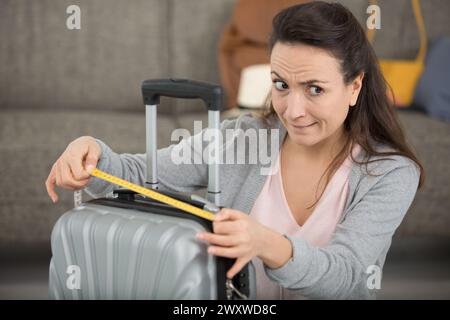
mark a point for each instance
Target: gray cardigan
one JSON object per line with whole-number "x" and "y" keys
{"x": 374, "y": 209}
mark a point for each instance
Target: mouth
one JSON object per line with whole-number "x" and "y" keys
{"x": 303, "y": 127}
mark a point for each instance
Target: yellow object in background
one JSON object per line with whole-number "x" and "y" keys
{"x": 403, "y": 75}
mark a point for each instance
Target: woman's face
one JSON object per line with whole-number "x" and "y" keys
{"x": 309, "y": 94}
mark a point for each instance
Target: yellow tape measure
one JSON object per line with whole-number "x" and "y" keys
{"x": 153, "y": 194}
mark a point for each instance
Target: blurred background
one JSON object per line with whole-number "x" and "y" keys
{"x": 57, "y": 84}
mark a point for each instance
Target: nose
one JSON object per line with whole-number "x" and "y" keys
{"x": 296, "y": 106}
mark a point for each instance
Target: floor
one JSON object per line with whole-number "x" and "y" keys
{"x": 416, "y": 268}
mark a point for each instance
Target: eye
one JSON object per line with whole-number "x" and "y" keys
{"x": 314, "y": 90}
{"x": 280, "y": 85}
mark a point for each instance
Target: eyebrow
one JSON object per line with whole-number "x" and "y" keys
{"x": 303, "y": 82}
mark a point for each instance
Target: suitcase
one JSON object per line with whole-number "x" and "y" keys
{"x": 127, "y": 246}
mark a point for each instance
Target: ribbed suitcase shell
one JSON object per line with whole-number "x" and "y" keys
{"x": 116, "y": 251}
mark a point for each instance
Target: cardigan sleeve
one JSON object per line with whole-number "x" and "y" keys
{"x": 173, "y": 175}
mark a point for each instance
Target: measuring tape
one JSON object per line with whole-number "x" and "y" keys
{"x": 154, "y": 195}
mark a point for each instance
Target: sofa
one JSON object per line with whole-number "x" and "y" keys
{"x": 58, "y": 84}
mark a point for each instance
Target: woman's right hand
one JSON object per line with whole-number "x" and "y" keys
{"x": 72, "y": 169}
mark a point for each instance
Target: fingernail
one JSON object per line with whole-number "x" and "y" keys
{"x": 199, "y": 236}
{"x": 89, "y": 168}
{"x": 210, "y": 250}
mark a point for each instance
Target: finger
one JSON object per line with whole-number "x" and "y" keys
{"x": 237, "y": 266}
{"x": 65, "y": 175}
{"x": 67, "y": 179}
{"x": 228, "y": 214}
{"x": 50, "y": 184}
{"x": 90, "y": 161}
{"x": 226, "y": 227}
{"x": 77, "y": 168}
{"x": 220, "y": 240}
{"x": 232, "y": 252}
{"x": 81, "y": 184}
{"x": 58, "y": 173}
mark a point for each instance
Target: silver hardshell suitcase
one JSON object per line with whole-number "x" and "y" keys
{"x": 132, "y": 247}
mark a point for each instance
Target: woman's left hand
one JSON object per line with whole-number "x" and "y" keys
{"x": 236, "y": 235}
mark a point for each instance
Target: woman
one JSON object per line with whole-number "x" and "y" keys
{"x": 318, "y": 227}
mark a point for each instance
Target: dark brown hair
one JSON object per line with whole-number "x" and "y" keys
{"x": 332, "y": 27}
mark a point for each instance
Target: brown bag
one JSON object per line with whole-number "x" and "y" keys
{"x": 244, "y": 40}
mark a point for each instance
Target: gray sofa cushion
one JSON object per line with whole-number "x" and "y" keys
{"x": 429, "y": 214}
{"x": 101, "y": 66}
{"x": 195, "y": 33}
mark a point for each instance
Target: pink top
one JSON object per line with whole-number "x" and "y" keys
{"x": 272, "y": 210}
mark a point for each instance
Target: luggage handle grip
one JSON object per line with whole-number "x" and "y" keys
{"x": 211, "y": 94}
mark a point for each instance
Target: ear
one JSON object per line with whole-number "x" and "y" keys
{"x": 356, "y": 86}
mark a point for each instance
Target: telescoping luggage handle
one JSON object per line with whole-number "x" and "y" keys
{"x": 212, "y": 96}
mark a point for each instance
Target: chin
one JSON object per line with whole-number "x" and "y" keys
{"x": 304, "y": 140}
